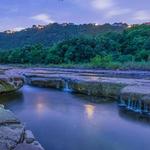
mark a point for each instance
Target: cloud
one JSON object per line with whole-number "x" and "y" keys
{"x": 117, "y": 12}
{"x": 141, "y": 15}
{"x": 43, "y": 17}
{"x": 102, "y": 4}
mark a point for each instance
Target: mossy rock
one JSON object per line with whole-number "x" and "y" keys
{"x": 104, "y": 89}
{"x": 9, "y": 84}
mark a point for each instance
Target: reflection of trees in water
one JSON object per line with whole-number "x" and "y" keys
{"x": 11, "y": 99}
{"x": 134, "y": 117}
{"x": 93, "y": 99}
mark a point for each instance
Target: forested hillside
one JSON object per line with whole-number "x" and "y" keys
{"x": 109, "y": 49}
{"x": 52, "y": 33}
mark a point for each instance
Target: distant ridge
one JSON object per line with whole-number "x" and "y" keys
{"x": 52, "y": 33}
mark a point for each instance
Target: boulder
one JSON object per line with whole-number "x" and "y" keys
{"x": 7, "y": 116}
{"x": 29, "y": 137}
{"x": 10, "y": 136}
{"x": 10, "y": 84}
{"x": 28, "y": 147}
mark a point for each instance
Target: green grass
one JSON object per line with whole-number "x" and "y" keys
{"x": 106, "y": 65}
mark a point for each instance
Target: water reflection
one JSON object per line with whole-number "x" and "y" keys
{"x": 40, "y": 107}
{"x": 16, "y": 97}
{"x": 134, "y": 117}
{"x": 62, "y": 121}
{"x": 89, "y": 109}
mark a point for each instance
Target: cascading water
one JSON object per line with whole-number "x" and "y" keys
{"x": 145, "y": 108}
{"x": 66, "y": 88}
{"x": 122, "y": 102}
{"x": 129, "y": 103}
{"x": 134, "y": 105}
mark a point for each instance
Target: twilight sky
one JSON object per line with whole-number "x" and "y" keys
{"x": 18, "y": 14}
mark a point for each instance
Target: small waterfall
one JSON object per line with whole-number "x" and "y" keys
{"x": 66, "y": 87}
{"x": 145, "y": 108}
{"x": 134, "y": 105}
{"x": 129, "y": 103}
{"x": 122, "y": 102}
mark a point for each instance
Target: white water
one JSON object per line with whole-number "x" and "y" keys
{"x": 66, "y": 88}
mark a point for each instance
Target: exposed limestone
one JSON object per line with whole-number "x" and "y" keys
{"x": 28, "y": 147}
{"x": 136, "y": 98}
{"x": 134, "y": 93}
{"x": 7, "y": 117}
{"x": 129, "y": 85}
{"x": 29, "y": 137}
{"x": 13, "y": 134}
{"x": 47, "y": 82}
{"x": 10, "y": 84}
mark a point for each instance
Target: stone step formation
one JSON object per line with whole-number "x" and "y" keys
{"x": 130, "y": 88}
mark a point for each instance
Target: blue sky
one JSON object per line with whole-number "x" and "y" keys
{"x": 18, "y": 14}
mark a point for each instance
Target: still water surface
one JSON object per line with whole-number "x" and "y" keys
{"x": 63, "y": 121}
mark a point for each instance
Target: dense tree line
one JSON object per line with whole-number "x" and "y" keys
{"x": 52, "y": 33}
{"x": 133, "y": 44}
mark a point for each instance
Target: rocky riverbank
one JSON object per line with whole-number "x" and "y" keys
{"x": 13, "y": 134}
{"x": 130, "y": 88}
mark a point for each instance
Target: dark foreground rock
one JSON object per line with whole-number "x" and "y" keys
{"x": 13, "y": 134}
{"x": 28, "y": 147}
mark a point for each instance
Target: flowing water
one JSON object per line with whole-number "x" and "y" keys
{"x": 64, "y": 121}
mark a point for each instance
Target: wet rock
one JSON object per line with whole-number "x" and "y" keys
{"x": 37, "y": 144}
{"x": 10, "y": 135}
{"x": 105, "y": 89}
{"x": 29, "y": 137}
{"x": 47, "y": 82}
{"x": 3, "y": 146}
{"x": 136, "y": 92}
{"x": 28, "y": 147}
{"x": 7, "y": 116}
{"x": 89, "y": 85}
{"x": 1, "y": 106}
{"x": 9, "y": 84}
{"x": 136, "y": 98}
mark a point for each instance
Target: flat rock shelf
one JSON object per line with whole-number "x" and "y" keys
{"x": 130, "y": 88}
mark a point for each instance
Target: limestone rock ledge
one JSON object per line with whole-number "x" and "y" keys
{"x": 13, "y": 134}
{"x": 136, "y": 98}
{"x": 10, "y": 84}
{"x": 132, "y": 94}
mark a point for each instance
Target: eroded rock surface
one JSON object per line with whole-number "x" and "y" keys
{"x": 132, "y": 86}
{"x": 10, "y": 84}
{"x": 28, "y": 147}
{"x": 13, "y": 134}
{"x": 129, "y": 85}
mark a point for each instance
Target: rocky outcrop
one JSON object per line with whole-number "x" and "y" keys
{"x": 136, "y": 98}
{"x": 10, "y": 84}
{"x": 130, "y": 87}
{"x": 13, "y": 134}
{"x": 133, "y": 94}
